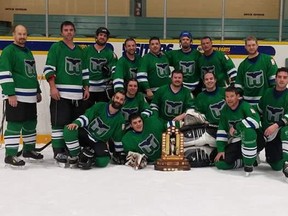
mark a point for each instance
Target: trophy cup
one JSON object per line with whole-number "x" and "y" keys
{"x": 172, "y": 156}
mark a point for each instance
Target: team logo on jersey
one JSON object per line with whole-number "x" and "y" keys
{"x": 162, "y": 70}
{"x": 187, "y": 67}
{"x": 206, "y": 69}
{"x": 128, "y": 111}
{"x": 133, "y": 72}
{"x": 274, "y": 114}
{"x": 255, "y": 79}
{"x": 216, "y": 108}
{"x": 173, "y": 108}
{"x": 73, "y": 66}
{"x": 30, "y": 68}
{"x": 99, "y": 127}
{"x": 233, "y": 123}
{"x": 149, "y": 145}
{"x": 96, "y": 64}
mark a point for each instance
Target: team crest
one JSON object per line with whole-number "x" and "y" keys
{"x": 162, "y": 70}
{"x": 255, "y": 79}
{"x": 187, "y": 67}
{"x": 30, "y": 68}
{"x": 216, "y": 108}
{"x": 128, "y": 111}
{"x": 96, "y": 64}
{"x": 274, "y": 114}
{"x": 73, "y": 66}
{"x": 173, "y": 108}
{"x": 206, "y": 69}
{"x": 149, "y": 145}
{"x": 99, "y": 127}
{"x": 133, "y": 72}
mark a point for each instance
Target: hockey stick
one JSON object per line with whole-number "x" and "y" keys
{"x": 36, "y": 149}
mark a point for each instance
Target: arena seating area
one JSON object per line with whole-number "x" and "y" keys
{"x": 145, "y": 27}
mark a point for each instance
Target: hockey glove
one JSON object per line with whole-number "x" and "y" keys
{"x": 136, "y": 160}
{"x": 86, "y": 158}
{"x": 119, "y": 158}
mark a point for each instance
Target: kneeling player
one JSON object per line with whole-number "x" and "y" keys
{"x": 236, "y": 135}
{"x": 144, "y": 139}
{"x": 274, "y": 108}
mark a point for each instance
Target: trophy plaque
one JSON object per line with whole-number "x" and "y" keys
{"x": 172, "y": 156}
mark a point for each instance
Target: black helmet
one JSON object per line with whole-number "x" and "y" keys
{"x": 102, "y": 30}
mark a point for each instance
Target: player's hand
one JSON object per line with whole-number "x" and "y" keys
{"x": 12, "y": 100}
{"x": 72, "y": 126}
{"x": 86, "y": 94}
{"x": 39, "y": 97}
{"x": 271, "y": 129}
{"x": 219, "y": 156}
{"x": 232, "y": 131}
{"x": 149, "y": 94}
{"x": 54, "y": 93}
{"x": 180, "y": 117}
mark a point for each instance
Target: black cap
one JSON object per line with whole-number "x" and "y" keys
{"x": 103, "y": 30}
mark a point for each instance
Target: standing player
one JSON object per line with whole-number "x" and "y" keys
{"x": 274, "y": 109}
{"x": 135, "y": 102}
{"x": 100, "y": 123}
{"x": 217, "y": 62}
{"x": 171, "y": 101}
{"x": 100, "y": 60}
{"x": 154, "y": 69}
{"x": 185, "y": 59}
{"x": 256, "y": 73}
{"x": 63, "y": 71}
{"x": 18, "y": 79}
{"x": 127, "y": 66}
{"x": 236, "y": 135}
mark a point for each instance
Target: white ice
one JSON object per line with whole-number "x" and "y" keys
{"x": 43, "y": 189}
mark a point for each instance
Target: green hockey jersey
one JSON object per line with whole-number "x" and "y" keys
{"x": 210, "y": 104}
{"x": 153, "y": 72}
{"x": 244, "y": 116}
{"x": 125, "y": 70}
{"x": 186, "y": 62}
{"x": 102, "y": 125}
{"x": 274, "y": 107}
{"x": 66, "y": 65}
{"x": 254, "y": 77}
{"x": 18, "y": 74}
{"x": 221, "y": 65}
{"x": 167, "y": 105}
{"x": 148, "y": 141}
{"x": 94, "y": 61}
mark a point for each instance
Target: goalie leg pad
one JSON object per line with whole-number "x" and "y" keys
{"x": 198, "y": 157}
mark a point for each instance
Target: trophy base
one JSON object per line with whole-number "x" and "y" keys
{"x": 172, "y": 164}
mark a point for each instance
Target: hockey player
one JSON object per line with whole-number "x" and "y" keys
{"x": 63, "y": 71}
{"x": 100, "y": 61}
{"x": 144, "y": 138}
{"x": 99, "y": 123}
{"x": 236, "y": 135}
{"x": 127, "y": 66}
{"x": 135, "y": 102}
{"x": 18, "y": 79}
{"x": 185, "y": 59}
{"x": 256, "y": 73}
{"x": 274, "y": 109}
{"x": 217, "y": 62}
{"x": 154, "y": 69}
{"x": 171, "y": 101}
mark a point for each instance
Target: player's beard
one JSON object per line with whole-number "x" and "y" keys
{"x": 100, "y": 43}
{"x": 116, "y": 105}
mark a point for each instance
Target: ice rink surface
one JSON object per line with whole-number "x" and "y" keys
{"x": 44, "y": 189}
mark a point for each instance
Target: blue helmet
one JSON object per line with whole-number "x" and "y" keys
{"x": 185, "y": 34}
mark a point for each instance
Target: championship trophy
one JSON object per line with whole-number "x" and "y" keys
{"x": 172, "y": 156}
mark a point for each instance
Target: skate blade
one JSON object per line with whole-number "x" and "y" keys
{"x": 33, "y": 160}
{"x": 62, "y": 165}
{"x": 73, "y": 166}
{"x": 10, "y": 166}
{"x": 247, "y": 174}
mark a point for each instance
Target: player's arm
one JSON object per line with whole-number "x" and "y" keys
{"x": 118, "y": 76}
{"x": 252, "y": 119}
{"x": 230, "y": 68}
{"x": 271, "y": 73}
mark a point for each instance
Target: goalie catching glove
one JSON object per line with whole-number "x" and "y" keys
{"x": 136, "y": 160}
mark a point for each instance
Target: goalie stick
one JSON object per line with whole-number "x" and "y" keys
{"x": 36, "y": 149}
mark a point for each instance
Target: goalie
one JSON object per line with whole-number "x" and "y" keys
{"x": 200, "y": 129}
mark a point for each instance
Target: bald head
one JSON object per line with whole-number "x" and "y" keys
{"x": 20, "y": 35}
